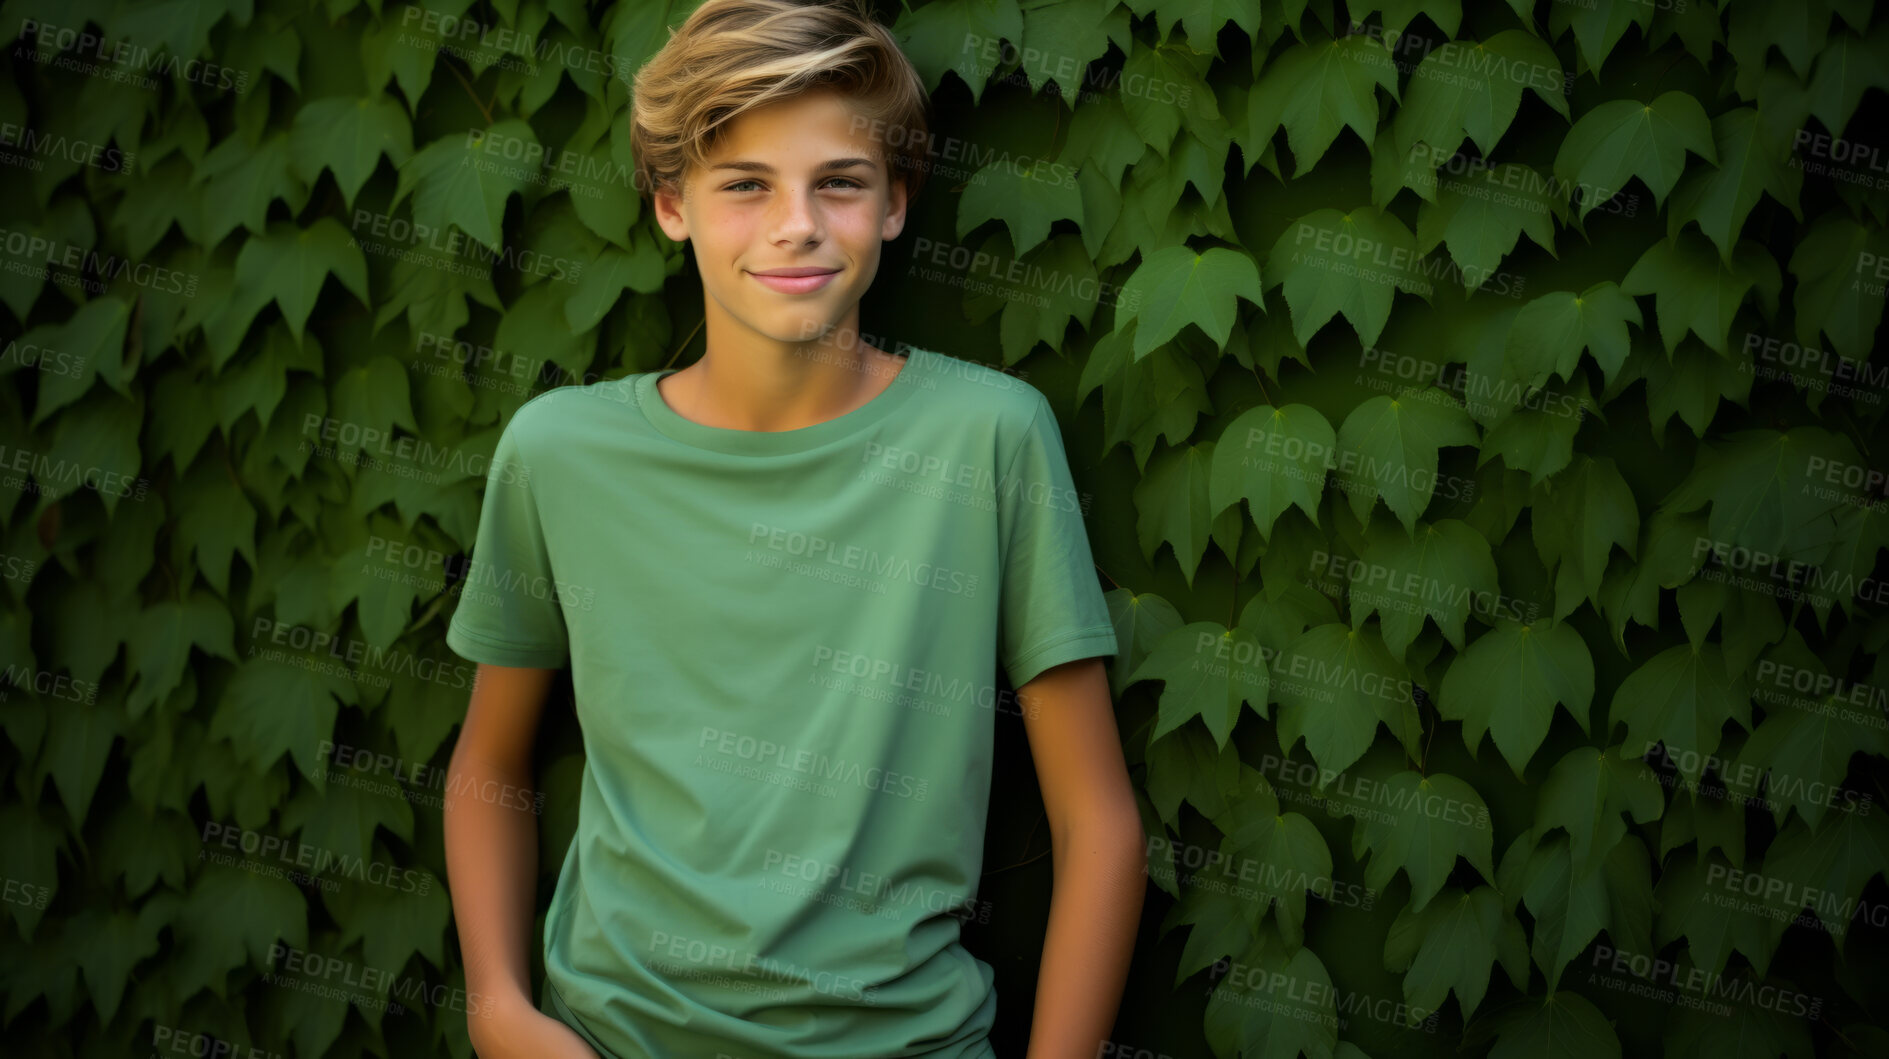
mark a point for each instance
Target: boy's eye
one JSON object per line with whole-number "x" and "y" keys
{"x": 848, "y": 182}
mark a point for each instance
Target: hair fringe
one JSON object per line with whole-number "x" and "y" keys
{"x": 731, "y": 56}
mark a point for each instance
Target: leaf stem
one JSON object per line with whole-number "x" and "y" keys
{"x": 676, "y": 352}
{"x": 483, "y": 109}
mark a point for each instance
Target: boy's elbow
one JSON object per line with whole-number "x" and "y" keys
{"x": 1119, "y": 837}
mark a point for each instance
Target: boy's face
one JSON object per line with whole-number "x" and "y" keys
{"x": 783, "y": 208}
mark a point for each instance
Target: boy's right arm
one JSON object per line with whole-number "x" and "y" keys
{"x": 492, "y": 865}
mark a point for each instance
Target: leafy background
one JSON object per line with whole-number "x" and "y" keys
{"x": 1590, "y": 226}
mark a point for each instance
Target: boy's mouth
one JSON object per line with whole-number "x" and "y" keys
{"x": 795, "y": 280}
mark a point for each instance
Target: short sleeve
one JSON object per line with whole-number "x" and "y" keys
{"x": 1051, "y": 609}
{"x": 508, "y": 613}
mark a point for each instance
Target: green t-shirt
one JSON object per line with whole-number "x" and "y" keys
{"x": 784, "y": 650}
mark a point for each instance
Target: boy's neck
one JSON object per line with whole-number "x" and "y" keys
{"x": 775, "y": 386}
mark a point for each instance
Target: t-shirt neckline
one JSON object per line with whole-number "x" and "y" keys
{"x": 774, "y": 442}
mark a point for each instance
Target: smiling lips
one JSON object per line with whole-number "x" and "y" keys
{"x": 796, "y": 280}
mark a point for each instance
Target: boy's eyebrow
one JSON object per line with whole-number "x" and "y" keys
{"x": 762, "y": 167}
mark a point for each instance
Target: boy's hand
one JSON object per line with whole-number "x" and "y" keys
{"x": 517, "y": 1030}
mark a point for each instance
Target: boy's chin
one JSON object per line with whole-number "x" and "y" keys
{"x": 804, "y": 329}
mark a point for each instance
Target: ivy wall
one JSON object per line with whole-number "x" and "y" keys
{"x": 1474, "y": 407}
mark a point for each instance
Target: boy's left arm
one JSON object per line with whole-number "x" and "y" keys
{"x": 1099, "y": 856}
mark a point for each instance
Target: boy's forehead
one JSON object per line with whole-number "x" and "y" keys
{"x": 817, "y": 111}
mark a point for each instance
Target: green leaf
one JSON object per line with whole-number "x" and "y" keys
{"x": 383, "y": 604}
{"x": 1175, "y": 287}
{"x": 108, "y": 944}
{"x": 348, "y": 138}
{"x": 958, "y": 35}
{"x": 94, "y": 450}
{"x": 1825, "y": 870}
{"x": 1587, "y": 792}
{"x": 79, "y": 738}
{"x": 143, "y": 848}
{"x": 1561, "y": 1025}
{"x": 1681, "y": 697}
{"x": 1064, "y": 36}
{"x": 158, "y": 648}
{"x": 1777, "y": 1025}
{"x": 1807, "y": 748}
{"x": 215, "y": 521}
{"x": 1441, "y": 572}
{"x": 1186, "y": 766}
{"x": 1450, "y": 944}
{"x": 604, "y": 281}
{"x": 1207, "y": 670}
{"x": 1101, "y": 134}
{"x": 1549, "y": 333}
{"x": 1572, "y": 904}
{"x": 1388, "y": 447}
{"x": 1272, "y": 458}
{"x": 1579, "y": 516}
{"x": 540, "y": 322}
{"x": 1318, "y": 88}
{"x": 1423, "y": 825}
{"x": 1769, "y": 493}
{"x": 241, "y": 181}
{"x": 1845, "y": 70}
{"x": 1141, "y": 620}
{"x": 1393, "y": 170}
{"x": 1668, "y": 558}
{"x": 1625, "y": 138}
{"x": 1699, "y": 902}
{"x": 1473, "y": 88}
{"x": 1171, "y": 505}
{"x": 31, "y": 857}
{"x": 1507, "y": 684}
{"x": 463, "y": 180}
{"x": 1697, "y": 290}
{"x": 1398, "y": 14}
{"x": 1861, "y": 533}
{"x": 1540, "y": 440}
{"x": 1276, "y": 1004}
{"x": 1283, "y": 853}
{"x": 1840, "y": 269}
{"x": 602, "y": 191}
{"x": 1201, "y": 20}
{"x": 271, "y": 708}
{"x": 1333, "y": 685}
{"x": 393, "y": 922}
{"x": 1163, "y": 91}
{"x": 260, "y": 381}
{"x": 1708, "y": 819}
{"x": 339, "y": 819}
{"x": 288, "y": 266}
{"x": 1026, "y": 194}
{"x": 1719, "y": 199}
{"x": 1334, "y": 262}
{"x": 1483, "y": 217}
{"x": 91, "y": 340}
{"x": 1691, "y": 383}
{"x": 374, "y": 399}
{"x": 232, "y": 918}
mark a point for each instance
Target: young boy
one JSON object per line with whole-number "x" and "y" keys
{"x": 783, "y": 578}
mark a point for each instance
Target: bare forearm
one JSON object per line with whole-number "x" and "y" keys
{"x": 492, "y": 864}
{"x": 1095, "y": 907}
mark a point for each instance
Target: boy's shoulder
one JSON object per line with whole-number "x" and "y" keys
{"x": 980, "y": 388}
{"x": 563, "y": 405}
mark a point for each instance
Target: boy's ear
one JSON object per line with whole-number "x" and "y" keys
{"x": 667, "y": 201}
{"x": 895, "y": 212}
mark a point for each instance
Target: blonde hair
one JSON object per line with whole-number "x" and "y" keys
{"x": 731, "y": 56}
